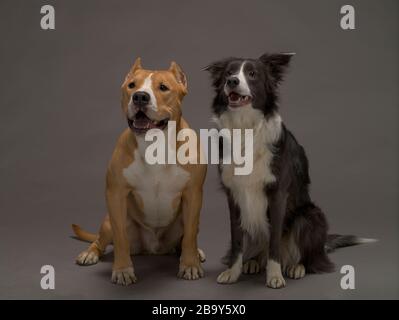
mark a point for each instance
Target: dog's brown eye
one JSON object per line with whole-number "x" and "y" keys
{"x": 131, "y": 85}
{"x": 252, "y": 74}
{"x": 162, "y": 87}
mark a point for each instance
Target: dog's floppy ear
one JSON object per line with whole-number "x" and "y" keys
{"x": 136, "y": 66}
{"x": 179, "y": 75}
{"x": 277, "y": 63}
{"x": 216, "y": 70}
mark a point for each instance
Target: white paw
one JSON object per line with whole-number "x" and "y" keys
{"x": 201, "y": 255}
{"x": 275, "y": 282}
{"x": 274, "y": 278}
{"x": 87, "y": 258}
{"x": 296, "y": 272}
{"x": 124, "y": 277}
{"x": 228, "y": 276}
{"x": 251, "y": 267}
{"x": 191, "y": 272}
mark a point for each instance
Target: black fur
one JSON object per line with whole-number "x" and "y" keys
{"x": 290, "y": 208}
{"x": 335, "y": 241}
{"x": 270, "y": 70}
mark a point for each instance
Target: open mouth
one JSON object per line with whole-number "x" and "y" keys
{"x": 141, "y": 123}
{"x": 237, "y": 100}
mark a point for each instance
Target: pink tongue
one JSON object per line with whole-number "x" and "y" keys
{"x": 141, "y": 123}
{"x": 234, "y": 96}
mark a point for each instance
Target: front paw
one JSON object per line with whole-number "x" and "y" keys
{"x": 275, "y": 282}
{"x": 190, "y": 271}
{"x": 228, "y": 276}
{"x": 124, "y": 277}
{"x": 274, "y": 277}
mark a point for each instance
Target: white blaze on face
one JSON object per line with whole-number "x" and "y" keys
{"x": 130, "y": 109}
{"x": 243, "y": 86}
{"x": 147, "y": 87}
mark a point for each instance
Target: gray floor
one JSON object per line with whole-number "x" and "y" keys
{"x": 60, "y": 117}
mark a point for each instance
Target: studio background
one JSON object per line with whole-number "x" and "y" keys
{"x": 60, "y": 116}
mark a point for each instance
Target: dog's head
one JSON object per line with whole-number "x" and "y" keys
{"x": 151, "y": 98}
{"x": 248, "y": 83}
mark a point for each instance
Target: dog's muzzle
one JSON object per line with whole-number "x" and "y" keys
{"x": 237, "y": 100}
{"x": 141, "y": 123}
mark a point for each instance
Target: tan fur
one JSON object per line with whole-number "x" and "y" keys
{"x": 126, "y": 225}
{"x": 82, "y": 234}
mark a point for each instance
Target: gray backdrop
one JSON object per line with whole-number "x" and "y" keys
{"x": 60, "y": 117}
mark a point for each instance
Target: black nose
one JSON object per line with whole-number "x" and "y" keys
{"x": 141, "y": 98}
{"x": 233, "y": 82}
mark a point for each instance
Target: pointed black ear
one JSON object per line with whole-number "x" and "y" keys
{"x": 216, "y": 66}
{"x": 216, "y": 70}
{"x": 277, "y": 63}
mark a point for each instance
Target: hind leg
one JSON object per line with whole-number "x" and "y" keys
{"x": 295, "y": 271}
{"x": 291, "y": 257}
{"x": 309, "y": 232}
{"x": 251, "y": 266}
{"x": 92, "y": 254}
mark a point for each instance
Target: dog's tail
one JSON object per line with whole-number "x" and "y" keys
{"x": 335, "y": 241}
{"x": 82, "y": 234}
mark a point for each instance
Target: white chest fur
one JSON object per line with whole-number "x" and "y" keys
{"x": 249, "y": 190}
{"x": 159, "y": 188}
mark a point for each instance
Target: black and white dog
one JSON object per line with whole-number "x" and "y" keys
{"x": 274, "y": 223}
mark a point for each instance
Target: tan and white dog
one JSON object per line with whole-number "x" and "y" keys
{"x": 152, "y": 208}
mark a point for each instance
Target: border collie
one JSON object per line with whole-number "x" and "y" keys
{"x": 274, "y": 223}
